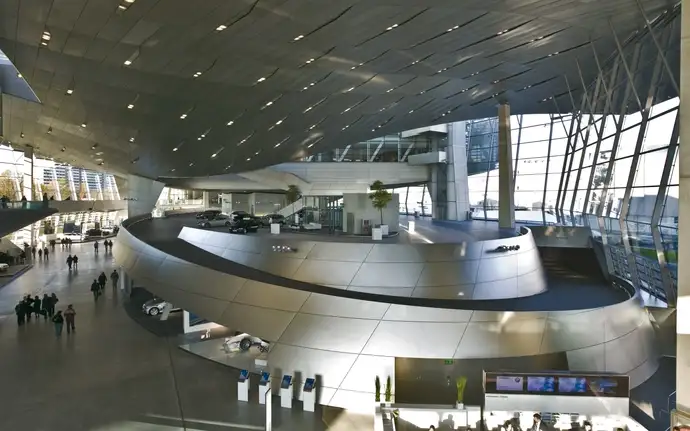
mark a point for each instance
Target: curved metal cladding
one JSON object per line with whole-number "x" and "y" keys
{"x": 471, "y": 270}
{"x": 347, "y": 342}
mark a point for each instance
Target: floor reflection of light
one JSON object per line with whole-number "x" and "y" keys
{"x": 419, "y": 418}
{"x": 416, "y": 234}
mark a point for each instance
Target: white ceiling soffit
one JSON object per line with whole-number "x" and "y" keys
{"x": 197, "y": 88}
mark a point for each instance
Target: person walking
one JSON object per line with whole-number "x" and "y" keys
{"x": 114, "y": 277}
{"x": 45, "y": 252}
{"x": 75, "y": 260}
{"x": 40, "y": 253}
{"x": 101, "y": 280}
{"x": 24, "y": 201}
{"x": 70, "y": 259}
{"x": 69, "y": 317}
{"x": 33, "y": 252}
{"x": 46, "y": 303}
{"x": 53, "y": 302}
{"x": 95, "y": 246}
{"x": 27, "y": 305}
{"x": 95, "y": 289}
{"x": 58, "y": 321}
{"x": 37, "y": 306}
{"x": 19, "y": 310}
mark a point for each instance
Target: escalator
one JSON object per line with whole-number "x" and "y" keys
{"x": 576, "y": 264}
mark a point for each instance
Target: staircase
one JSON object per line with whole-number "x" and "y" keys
{"x": 292, "y": 208}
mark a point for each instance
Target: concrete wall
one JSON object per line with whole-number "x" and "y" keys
{"x": 360, "y": 205}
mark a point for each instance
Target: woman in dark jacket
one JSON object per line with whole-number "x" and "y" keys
{"x": 37, "y": 306}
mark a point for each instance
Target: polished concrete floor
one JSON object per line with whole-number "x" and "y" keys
{"x": 113, "y": 374}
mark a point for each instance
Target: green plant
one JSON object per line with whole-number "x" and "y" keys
{"x": 293, "y": 193}
{"x": 380, "y": 197}
{"x": 460, "y": 384}
{"x": 377, "y": 382}
{"x": 388, "y": 389}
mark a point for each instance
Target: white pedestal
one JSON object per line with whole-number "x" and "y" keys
{"x": 286, "y": 397}
{"x": 411, "y": 226}
{"x": 376, "y": 234}
{"x": 384, "y": 229}
{"x": 275, "y": 228}
{"x": 243, "y": 390}
{"x": 309, "y": 400}
{"x": 264, "y": 391}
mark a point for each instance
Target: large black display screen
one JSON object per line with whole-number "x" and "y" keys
{"x": 587, "y": 385}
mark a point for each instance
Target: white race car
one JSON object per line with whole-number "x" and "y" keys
{"x": 244, "y": 342}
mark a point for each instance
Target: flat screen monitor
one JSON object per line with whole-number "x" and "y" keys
{"x": 285, "y": 384}
{"x": 264, "y": 378}
{"x": 309, "y": 385}
{"x": 602, "y": 385}
{"x": 510, "y": 383}
{"x": 572, "y": 385}
{"x": 541, "y": 384}
{"x": 244, "y": 375}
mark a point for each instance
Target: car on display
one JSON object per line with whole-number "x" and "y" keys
{"x": 242, "y": 226}
{"x": 239, "y": 214}
{"x": 243, "y": 342}
{"x": 155, "y": 306}
{"x": 4, "y": 267}
{"x": 208, "y": 214}
{"x": 273, "y": 218}
{"x": 215, "y": 221}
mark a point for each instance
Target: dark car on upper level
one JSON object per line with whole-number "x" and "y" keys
{"x": 273, "y": 218}
{"x": 244, "y": 225}
{"x": 208, "y": 214}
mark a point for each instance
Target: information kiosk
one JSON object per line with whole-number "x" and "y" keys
{"x": 243, "y": 386}
{"x": 264, "y": 387}
{"x": 309, "y": 395}
{"x": 286, "y": 392}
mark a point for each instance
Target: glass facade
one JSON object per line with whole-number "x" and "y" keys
{"x": 389, "y": 148}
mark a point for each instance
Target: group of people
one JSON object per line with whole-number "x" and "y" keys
{"x": 107, "y": 244}
{"x": 42, "y": 253}
{"x": 66, "y": 242}
{"x": 98, "y": 285}
{"x": 72, "y": 260}
{"x": 29, "y": 306}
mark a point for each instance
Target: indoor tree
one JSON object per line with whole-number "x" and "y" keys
{"x": 380, "y": 197}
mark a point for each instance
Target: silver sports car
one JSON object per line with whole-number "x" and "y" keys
{"x": 244, "y": 342}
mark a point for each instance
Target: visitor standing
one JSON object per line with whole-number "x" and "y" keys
{"x": 58, "y": 321}
{"x": 75, "y": 260}
{"x": 101, "y": 280}
{"x": 46, "y": 304}
{"x": 37, "y": 306}
{"x": 69, "y": 317}
{"x": 33, "y": 252}
{"x": 21, "y": 313}
{"x": 114, "y": 277}
{"x": 53, "y": 302}
{"x": 70, "y": 259}
{"x": 95, "y": 289}
{"x": 45, "y": 252}
{"x": 95, "y": 246}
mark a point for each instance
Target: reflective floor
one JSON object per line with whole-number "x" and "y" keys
{"x": 113, "y": 374}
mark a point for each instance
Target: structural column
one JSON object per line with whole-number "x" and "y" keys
{"x": 206, "y": 197}
{"x": 458, "y": 194}
{"x": 683, "y": 302}
{"x": 506, "y": 194}
{"x": 143, "y": 195}
{"x": 226, "y": 203}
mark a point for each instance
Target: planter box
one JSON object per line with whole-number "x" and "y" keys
{"x": 384, "y": 229}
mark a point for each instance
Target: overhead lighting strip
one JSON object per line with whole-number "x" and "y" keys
{"x": 392, "y": 27}
{"x": 351, "y": 107}
{"x": 371, "y": 60}
{"x": 450, "y": 30}
{"x": 313, "y": 60}
{"x": 416, "y": 62}
{"x": 493, "y": 36}
{"x": 330, "y": 21}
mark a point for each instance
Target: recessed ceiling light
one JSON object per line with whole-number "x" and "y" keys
{"x": 83, "y": 125}
{"x": 50, "y": 129}
{"x": 268, "y": 104}
{"x": 230, "y": 123}
{"x": 197, "y": 74}
{"x": 172, "y": 170}
{"x": 19, "y": 75}
{"x": 130, "y": 106}
{"x": 63, "y": 149}
{"x": 389, "y": 90}
{"x": 70, "y": 91}
{"x": 122, "y": 7}
{"x": 131, "y": 139}
{"x": 279, "y": 122}
{"x": 191, "y": 164}
{"x": 301, "y": 36}
{"x": 45, "y": 35}
{"x": 349, "y": 89}
{"x": 128, "y": 62}
{"x": 183, "y": 116}
{"x": 21, "y": 134}
{"x": 221, "y": 27}
{"x": 174, "y": 149}
{"x": 44, "y": 43}
{"x": 249, "y": 158}
{"x": 311, "y": 60}
{"x": 262, "y": 79}
{"x": 391, "y": 27}
{"x": 213, "y": 156}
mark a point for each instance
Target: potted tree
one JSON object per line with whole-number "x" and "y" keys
{"x": 380, "y": 198}
{"x": 388, "y": 389}
{"x": 293, "y": 194}
{"x": 377, "y": 395}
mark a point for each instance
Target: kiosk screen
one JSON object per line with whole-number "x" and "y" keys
{"x": 570, "y": 385}
{"x": 244, "y": 375}
{"x": 541, "y": 384}
{"x": 309, "y": 385}
{"x": 285, "y": 384}
{"x": 264, "y": 378}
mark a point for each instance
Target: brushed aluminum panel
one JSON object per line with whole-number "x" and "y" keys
{"x": 449, "y": 273}
{"x": 364, "y": 371}
{"x": 528, "y": 262}
{"x": 385, "y": 253}
{"x": 415, "y": 339}
{"x": 327, "y": 305}
{"x": 499, "y": 289}
{"x": 626, "y": 353}
{"x": 532, "y": 283}
{"x": 329, "y": 368}
{"x": 341, "y": 252}
{"x": 268, "y": 295}
{"x": 643, "y": 372}
{"x": 200, "y": 280}
{"x": 388, "y": 274}
{"x": 465, "y": 291}
{"x": 502, "y": 316}
{"x": 240, "y": 257}
{"x": 622, "y": 319}
{"x": 261, "y": 322}
{"x": 451, "y": 252}
{"x": 498, "y": 268}
{"x": 277, "y": 264}
{"x": 328, "y": 333}
{"x": 327, "y": 272}
{"x": 573, "y": 331}
{"x": 211, "y": 248}
{"x": 587, "y": 359}
{"x": 501, "y": 339}
{"x": 210, "y": 308}
{"x": 408, "y": 313}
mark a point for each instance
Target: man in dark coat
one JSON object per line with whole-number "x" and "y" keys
{"x": 95, "y": 289}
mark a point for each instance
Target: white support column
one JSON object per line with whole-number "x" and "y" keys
{"x": 56, "y": 186}
{"x": 143, "y": 195}
{"x": 251, "y": 203}
{"x": 683, "y": 305}
{"x": 70, "y": 183}
{"x": 116, "y": 191}
{"x": 226, "y": 203}
{"x": 506, "y": 196}
{"x": 456, "y": 173}
{"x": 99, "y": 188}
{"x": 86, "y": 184}
{"x": 206, "y": 199}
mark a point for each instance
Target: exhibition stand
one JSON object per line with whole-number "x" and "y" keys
{"x": 309, "y": 395}
{"x": 264, "y": 387}
{"x": 275, "y": 228}
{"x": 286, "y": 392}
{"x": 376, "y": 234}
{"x": 243, "y": 386}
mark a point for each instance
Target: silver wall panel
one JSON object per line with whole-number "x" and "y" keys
{"x": 339, "y": 251}
{"x": 328, "y": 333}
{"x": 499, "y": 268}
{"x": 617, "y": 338}
{"x": 643, "y": 372}
{"x": 449, "y": 273}
{"x": 415, "y": 339}
{"x": 328, "y": 305}
{"x": 391, "y": 291}
{"x": 528, "y": 263}
{"x": 465, "y": 291}
{"x": 261, "y": 322}
{"x": 407, "y": 313}
{"x": 400, "y": 253}
{"x": 388, "y": 274}
{"x": 268, "y": 295}
{"x": 532, "y": 283}
{"x": 327, "y": 272}
{"x": 499, "y": 289}
{"x": 452, "y": 252}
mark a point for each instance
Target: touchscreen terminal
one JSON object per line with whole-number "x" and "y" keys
{"x": 264, "y": 378}
{"x": 285, "y": 384}
{"x": 244, "y": 375}
{"x": 309, "y": 385}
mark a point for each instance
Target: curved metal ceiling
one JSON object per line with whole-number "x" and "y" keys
{"x": 188, "y": 88}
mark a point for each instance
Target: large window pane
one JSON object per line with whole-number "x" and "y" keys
{"x": 628, "y": 140}
{"x": 659, "y": 131}
{"x": 650, "y": 168}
